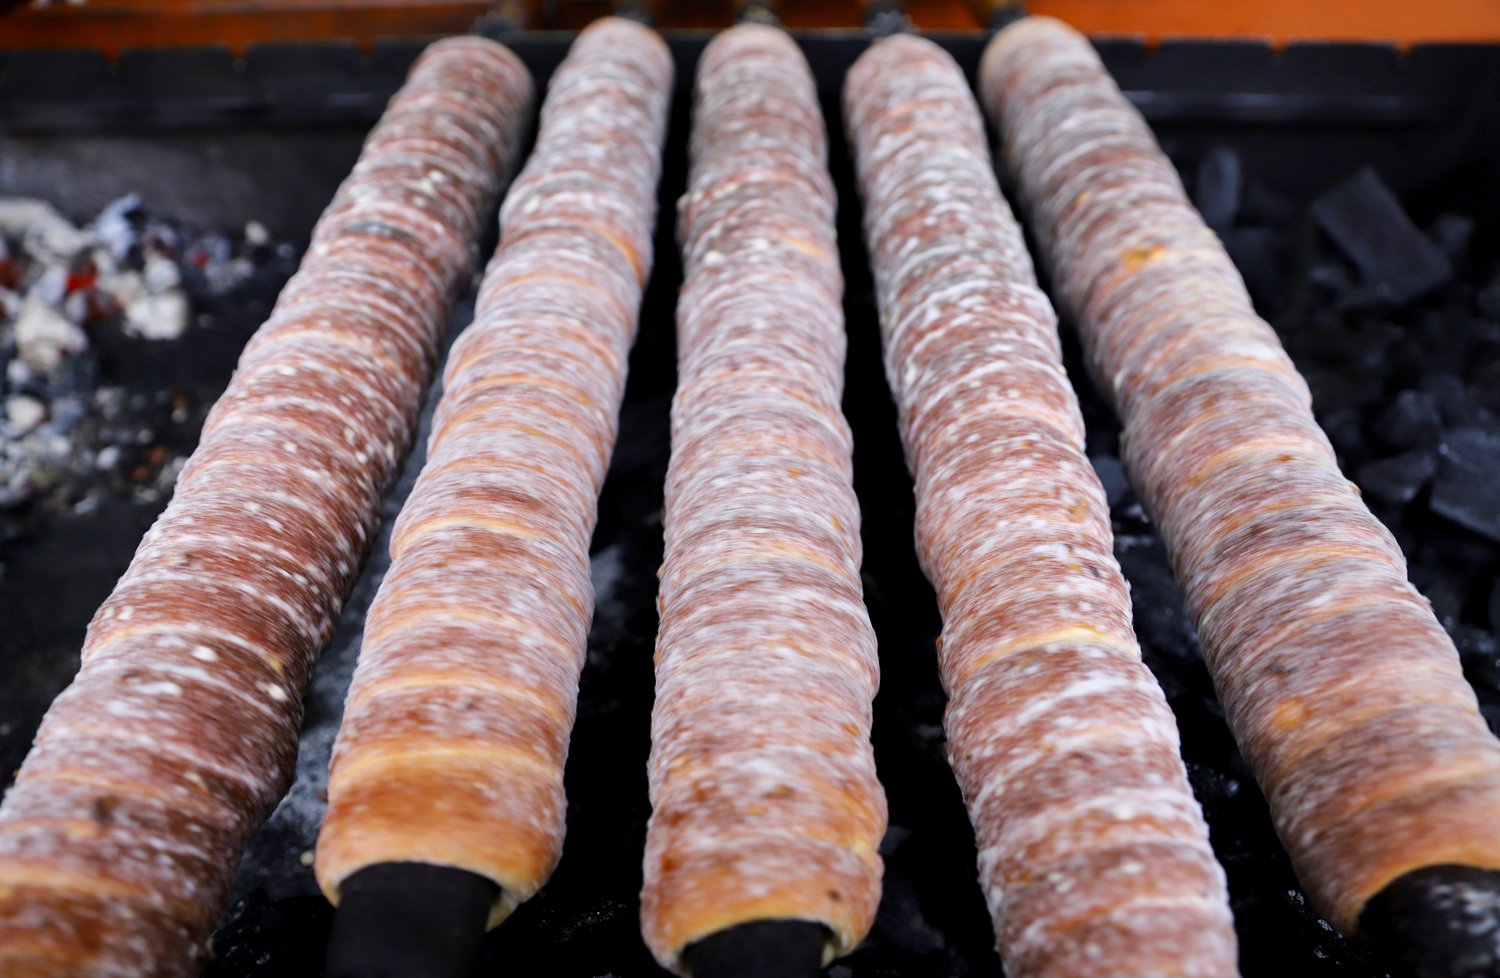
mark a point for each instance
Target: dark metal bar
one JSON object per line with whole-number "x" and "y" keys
{"x": 756, "y": 12}
{"x": 884, "y": 17}
{"x": 998, "y": 14}
{"x": 409, "y": 920}
{"x": 640, "y": 11}
{"x": 1438, "y": 922}
{"x": 759, "y": 949}
{"x": 504, "y": 18}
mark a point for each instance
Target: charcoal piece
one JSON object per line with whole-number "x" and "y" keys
{"x": 1259, "y": 204}
{"x": 1463, "y": 405}
{"x": 1467, "y": 488}
{"x": 1112, "y": 476}
{"x": 1216, "y": 192}
{"x": 1479, "y": 651}
{"x": 262, "y": 938}
{"x": 1487, "y": 301}
{"x": 1485, "y": 382}
{"x": 1366, "y": 221}
{"x": 900, "y": 920}
{"x": 1398, "y": 479}
{"x": 1343, "y": 429}
{"x": 1413, "y": 420}
{"x": 1450, "y": 338}
{"x": 1355, "y": 384}
{"x": 1257, "y": 252}
{"x": 1443, "y": 589}
{"x": 1452, "y": 233}
{"x": 1341, "y": 342}
{"x": 1438, "y": 921}
{"x": 1449, "y": 392}
{"x": 1331, "y": 276}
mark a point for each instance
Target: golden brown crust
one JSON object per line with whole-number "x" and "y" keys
{"x": 1343, "y": 691}
{"x": 120, "y": 836}
{"x": 456, "y": 727}
{"x": 763, "y": 792}
{"x": 1094, "y": 857}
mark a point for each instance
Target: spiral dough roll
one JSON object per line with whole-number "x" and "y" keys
{"x": 457, "y": 722}
{"x": 1093, "y": 853}
{"x": 764, "y": 799}
{"x": 178, "y": 736}
{"x": 1342, "y": 689}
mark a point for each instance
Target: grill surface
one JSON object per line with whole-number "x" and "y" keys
{"x": 1300, "y": 121}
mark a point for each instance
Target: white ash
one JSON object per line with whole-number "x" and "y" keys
{"x": 158, "y": 316}
{"x": 44, "y": 337}
{"x": 69, "y": 296}
{"x": 22, "y": 414}
{"x": 113, "y": 229}
{"x": 43, "y": 232}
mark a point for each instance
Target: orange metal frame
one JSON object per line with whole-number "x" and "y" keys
{"x": 113, "y": 25}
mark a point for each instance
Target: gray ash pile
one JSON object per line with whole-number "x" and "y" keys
{"x": 115, "y": 336}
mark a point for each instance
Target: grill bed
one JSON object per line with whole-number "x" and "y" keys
{"x": 215, "y": 142}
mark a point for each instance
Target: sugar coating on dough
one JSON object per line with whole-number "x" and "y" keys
{"x": 1342, "y": 689}
{"x": 456, "y": 727}
{"x": 179, "y": 733}
{"x": 765, "y": 803}
{"x": 1093, "y": 854}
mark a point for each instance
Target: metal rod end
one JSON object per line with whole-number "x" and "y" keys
{"x": 413, "y": 920}
{"x": 759, "y": 949}
{"x": 1438, "y": 922}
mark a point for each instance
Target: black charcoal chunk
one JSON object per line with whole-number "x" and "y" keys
{"x": 1262, "y": 205}
{"x": 1413, "y": 420}
{"x": 1450, "y": 394}
{"x": 1216, "y": 192}
{"x": 1256, "y": 252}
{"x": 1485, "y": 381}
{"x": 1479, "y": 651}
{"x": 1343, "y": 429}
{"x": 1443, "y": 589}
{"x": 1467, "y": 489}
{"x": 1398, "y": 479}
{"x": 1450, "y": 338}
{"x": 1488, "y": 298}
{"x": 1452, "y": 233}
{"x": 1331, "y": 276}
{"x": 1112, "y": 476}
{"x": 1366, "y": 221}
